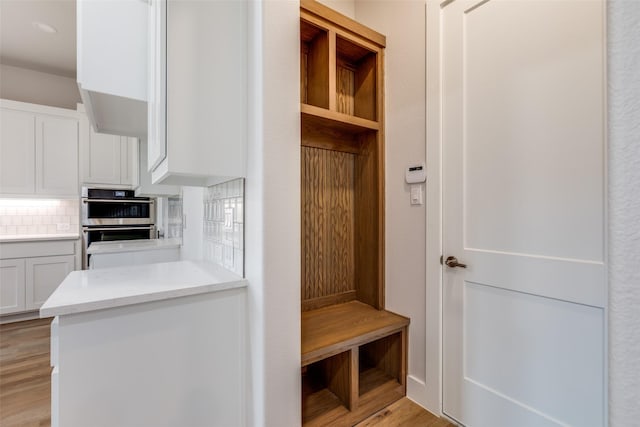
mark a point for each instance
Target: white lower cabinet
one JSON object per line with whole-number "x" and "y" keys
{"x": 31, "y": 271}
{"x": 12, "y": 286}
{"x": 44, "y": 274}
{"x": 174, "y": 362}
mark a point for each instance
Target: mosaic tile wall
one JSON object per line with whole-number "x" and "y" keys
{"x": 224, "y": 225}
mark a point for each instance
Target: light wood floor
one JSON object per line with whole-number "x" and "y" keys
{"x": 25, "y": 374}
{"x": 25, "y": 383}
{"x": 404, "y": 413}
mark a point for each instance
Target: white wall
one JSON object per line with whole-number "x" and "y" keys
{"x": 272, "y": 209}
{"x": 21, "y": 84}
{"x": 346, "y": 7}
{"x": 403, "y": 23}
{"x": 624, "y": 212}
{"x": 193, "y": 216}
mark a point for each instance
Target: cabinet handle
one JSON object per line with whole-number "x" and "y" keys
{"x": 116, "y": 201}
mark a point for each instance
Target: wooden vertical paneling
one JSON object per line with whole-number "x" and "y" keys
{"x": 327, "y": 223}
{"x": 345, "y": 89}
{"x": 368, "y": 263}
{"x": 318, "y": 72}
{"x": 304, "y": 59}
{"x": 365, "y": 88}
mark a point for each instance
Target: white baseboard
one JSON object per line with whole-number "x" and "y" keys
{"x": 417, "y": 392}
{"x": 10, "y": 318}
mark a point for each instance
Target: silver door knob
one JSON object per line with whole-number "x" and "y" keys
{"x": 452, "y": 262}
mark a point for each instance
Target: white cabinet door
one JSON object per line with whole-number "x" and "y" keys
{"x": 128, "y": 161}
{"x": 43, "y": 275}
{"x": 112, "y": 64}
{"x": 156, "y": 94}
{"x": 145, "y": 187}
{"x": 101, "y": 155}
{"x": 57, "y": 155}
{"x": 197, "y": 116}
{"x": 12, "y": 281}
{"x": 17, "y": 145}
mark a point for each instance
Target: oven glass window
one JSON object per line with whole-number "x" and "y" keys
{"x": 116, "y": 234}
{"x": 118, "y": 210}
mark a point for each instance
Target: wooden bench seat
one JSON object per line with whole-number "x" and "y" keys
{"x": 331, "y": 330}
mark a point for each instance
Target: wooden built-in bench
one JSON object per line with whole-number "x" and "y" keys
{"x": 354, "y": 353}
{"x": 354, "y": 362}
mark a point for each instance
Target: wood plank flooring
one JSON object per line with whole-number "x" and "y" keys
{"x": 404, "y": 413}
{"x": 25, "y": 374}
{"x": 25, "y": 383}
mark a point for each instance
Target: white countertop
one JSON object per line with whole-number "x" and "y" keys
{"x": 120, "y": 246}
{"x": 90, "y": 290}
{"x": 37, "y": 237}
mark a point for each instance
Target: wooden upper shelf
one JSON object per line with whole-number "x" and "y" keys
{"x": 323, "y": 117}
{"x": 337, "y": 328}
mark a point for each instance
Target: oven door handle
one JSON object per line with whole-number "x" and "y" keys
{"x": 117, "y": 201}
{"x": 85, "y": 229}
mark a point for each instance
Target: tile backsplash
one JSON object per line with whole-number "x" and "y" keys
{"x": 174, "y": 218}
{"x": 224, "y": 225}
{"x": 33, "y": 216}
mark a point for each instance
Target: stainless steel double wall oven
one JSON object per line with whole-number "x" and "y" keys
{"x": 109, "y": 215}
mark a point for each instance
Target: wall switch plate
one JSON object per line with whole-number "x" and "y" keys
{"x": 416, "y": 194}
{"x": 65, "y": 226}
{"x": 415, "y": 173}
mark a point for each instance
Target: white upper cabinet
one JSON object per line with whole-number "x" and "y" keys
{"x": 57, "y": 155}
{"x": 101, "y": 159}
{"x": 38, "y": 150}
{"x": 17, "y": 152}
{"x": 128, "y": 161}
{"x": 108, "y": 159}
{"x": 197, "y": 115}
{"x": 145, "y": 187}
{"x": 112, "y": 64}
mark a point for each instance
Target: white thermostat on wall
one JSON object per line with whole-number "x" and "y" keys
{"x": 416, "y": 173}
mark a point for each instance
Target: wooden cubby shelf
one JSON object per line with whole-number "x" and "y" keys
{"x": 353, "y": 362}
{"x": 323, "y": 118}
{"x": 353, "y": 351}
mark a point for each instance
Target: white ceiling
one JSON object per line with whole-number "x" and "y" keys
{"x": 22, "y": 45}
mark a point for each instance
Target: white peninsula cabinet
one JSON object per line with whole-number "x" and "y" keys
{"x": 107, "y": 159}
{"x": 158, "y": 345}
{"x": 197, "y": 96}
{"x": 38, "y": 150}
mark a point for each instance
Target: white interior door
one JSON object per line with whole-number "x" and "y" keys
{"x": 523, "y": 208}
